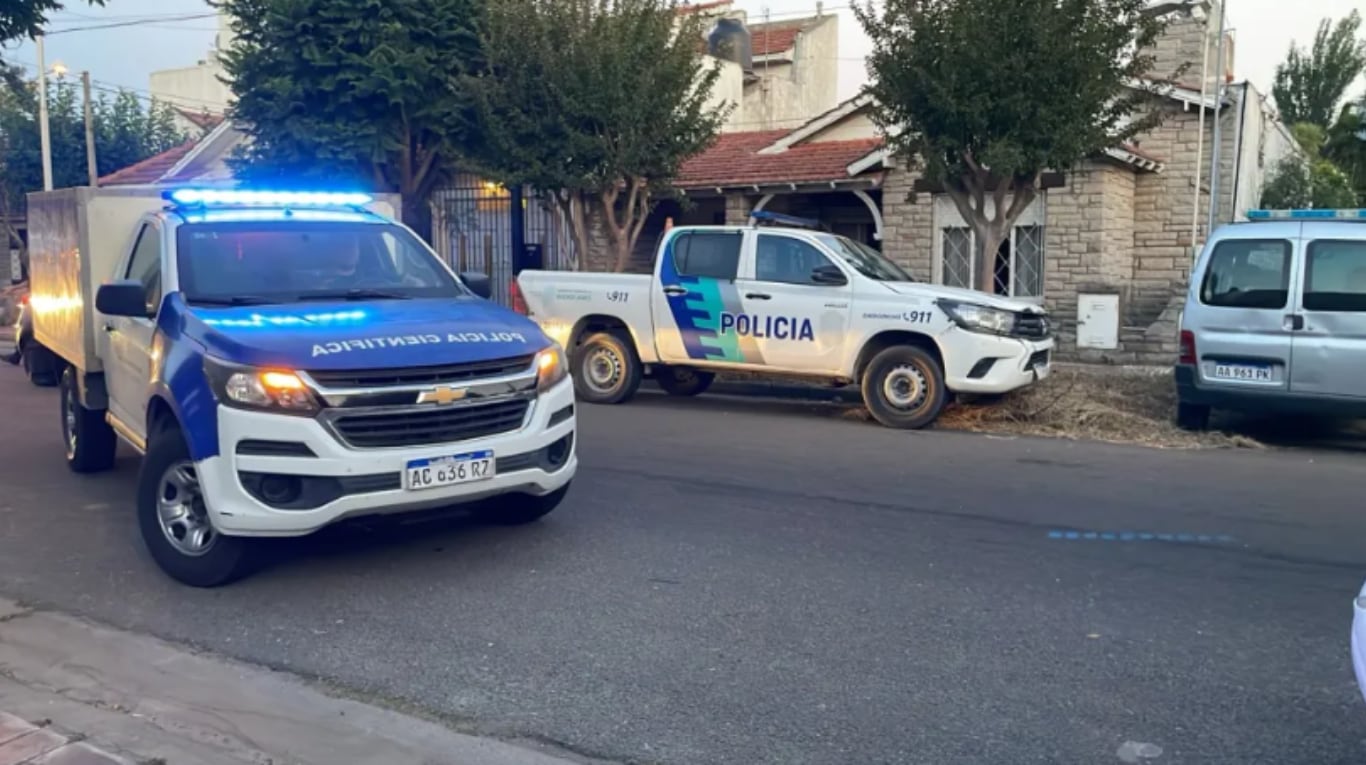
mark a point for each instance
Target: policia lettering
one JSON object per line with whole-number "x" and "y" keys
{"x": 401, "y": 341}
{"x": 770, "y": 327}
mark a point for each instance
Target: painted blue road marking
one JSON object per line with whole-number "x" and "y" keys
{"x": 1141, "y": 536}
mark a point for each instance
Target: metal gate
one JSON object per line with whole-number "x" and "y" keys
{"x": 472, "y": 229}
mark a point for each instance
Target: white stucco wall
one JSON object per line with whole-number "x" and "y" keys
{"x": 197, "y": 88}
{"x": 792, "y": 88}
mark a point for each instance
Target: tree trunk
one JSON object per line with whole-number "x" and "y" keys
{"x": 417, "y": 215}
{"x": 970, "y": 196}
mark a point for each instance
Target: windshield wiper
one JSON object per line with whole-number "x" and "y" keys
{"x": 231, "y": 301}
{"x": 355, "y": 294}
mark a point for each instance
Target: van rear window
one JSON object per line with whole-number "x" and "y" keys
{"x": 1248, "y": 273}
{"x": 1335, "y": 276}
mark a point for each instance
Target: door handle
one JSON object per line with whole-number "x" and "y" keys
{"x": 757, "y": 296}
{"x": 675, "y": 290}
{"x": 1294, "y": 322}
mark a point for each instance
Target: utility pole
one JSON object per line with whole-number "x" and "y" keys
{"x": 1216, "y": 153}
{"x": 44, "y": 138}
{"x": 90, "y": 166}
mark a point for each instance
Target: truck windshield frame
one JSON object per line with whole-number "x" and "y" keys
{"x": 864, "y": 259}
{"x": 283, "y": 262}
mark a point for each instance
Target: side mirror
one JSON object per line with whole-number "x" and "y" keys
{"x": 478, "y": 283}
{"x": 829, "y": 275}
{"x": 125, "y": 298}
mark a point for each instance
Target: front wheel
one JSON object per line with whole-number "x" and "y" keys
{"x": 520, "y": 509}
{"x": 90, "y": 442}
{"x": 175, "y": 523}
{"x": 606, "y": 369}
{"x": 683, "y": 381}
{"x": 903, "y": 387}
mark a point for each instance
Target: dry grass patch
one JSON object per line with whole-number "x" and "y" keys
{"x": 1118, "y": 405}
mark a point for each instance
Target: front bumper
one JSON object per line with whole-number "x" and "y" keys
{"x": 362, "y": 482}
{"x": 981, "y": 363}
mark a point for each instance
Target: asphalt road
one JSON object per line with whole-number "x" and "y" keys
{"x": 744, "y": 582}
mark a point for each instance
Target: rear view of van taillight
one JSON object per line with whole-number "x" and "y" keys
{"x": 515, "y": 298}
{"x": 1187, "y": 348}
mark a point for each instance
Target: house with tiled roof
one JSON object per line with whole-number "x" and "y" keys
{"x": 1106, "y": 246}
{"x": 197, "y": 161}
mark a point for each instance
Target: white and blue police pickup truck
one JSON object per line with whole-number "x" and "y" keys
{"x": 286, "y": 360}
{"x": 792, "y": 302}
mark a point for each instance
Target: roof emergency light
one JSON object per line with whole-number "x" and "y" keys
{"x": 257, "y": 198}
{"x": 1307, "y": 214}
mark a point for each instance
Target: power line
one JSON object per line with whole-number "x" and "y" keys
{"x": 141, "y": 22}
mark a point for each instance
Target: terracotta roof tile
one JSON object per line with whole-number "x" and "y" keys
{"x": 734, "y": 161}
{"x": 779, "y": 36}
{"x": 148, "y": 170}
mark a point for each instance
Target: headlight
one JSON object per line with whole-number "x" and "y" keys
{"x": 550, "y": 367}
{"x": 979, "y": 318}
{"x": 269, "y": 390}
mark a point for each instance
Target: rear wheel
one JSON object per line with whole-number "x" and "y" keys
{"x": 519, "y": 509}
{"x": 903, "y": 387}
{"x": 175, "y": 523}
{"x": 1192, "y": 416}
{"x": 606, "y": 369}
{"x": 684, "y": 381}
{"x": 90, "y": 443}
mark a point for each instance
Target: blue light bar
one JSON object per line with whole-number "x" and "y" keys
{"x": 1306, "y": 214}
{"x": 783, "y": 220}
{"x": 254, "y": 198}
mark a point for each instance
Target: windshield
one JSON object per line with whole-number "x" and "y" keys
{"x": 249, "y": 263}
{"x": 865, "y": 259}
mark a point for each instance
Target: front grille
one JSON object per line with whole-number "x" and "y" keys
{"x": 435, "y": 425}
{"x": 1031, "y": 325}
{"x": 435, "y": 375}
{"x": 1037, "y": 360}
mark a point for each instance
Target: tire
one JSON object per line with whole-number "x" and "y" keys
{"x": 606, "y": 369}
{"x": 175, "y": 526}
{"x": 90, "y": 442}
{"x": 684, "y": 381}
{"x": 903, "y": 387}
{"x": 1194, "y": 417}
{"x": 519, "y": 509}
{"x": 39, "y": 365}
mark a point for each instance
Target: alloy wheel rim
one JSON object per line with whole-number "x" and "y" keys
{"x": 181, "y": 513}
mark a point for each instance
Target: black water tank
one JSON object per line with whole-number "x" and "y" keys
{"x": 729, "y": 41}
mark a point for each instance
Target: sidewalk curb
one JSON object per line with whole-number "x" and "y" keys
{"x": 149, "y": 700}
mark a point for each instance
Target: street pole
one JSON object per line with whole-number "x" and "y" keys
{"x": 90, "y": 166}
{"x": 44, "y": 138}
{"x": 1215, "y": 152}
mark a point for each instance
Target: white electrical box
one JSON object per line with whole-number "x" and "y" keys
{"x": 1098, "y": 322}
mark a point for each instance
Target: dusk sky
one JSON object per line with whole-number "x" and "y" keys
{"x": 124, "y": 56}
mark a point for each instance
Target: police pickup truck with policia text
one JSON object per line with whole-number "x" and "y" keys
{"x": 284, "y": 361}
{"x": 788, "y": 301}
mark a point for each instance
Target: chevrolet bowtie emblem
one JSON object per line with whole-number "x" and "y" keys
{"x": 442, "y": 395}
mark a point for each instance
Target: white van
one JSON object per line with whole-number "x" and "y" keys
{"x": 1275, "y": 318}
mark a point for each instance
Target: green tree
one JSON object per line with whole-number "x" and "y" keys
{"x": 125, "y": 133}
{"x": 1346, "y": 146}
{"x": 1297, "y": 184}
{"x": 597, "y": 103}
{"x": 985, "y": 95}
{"x": 354, "y": 92}
{"x": 1310, "y": 137}
{"x": 1310, "y": 85}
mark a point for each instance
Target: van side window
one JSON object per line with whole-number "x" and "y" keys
{"x": 709, "y": 255}
{"x": 1248, "y": 273}
{"x": 1335, "y": 276}
{"x": 145, "y": 266}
